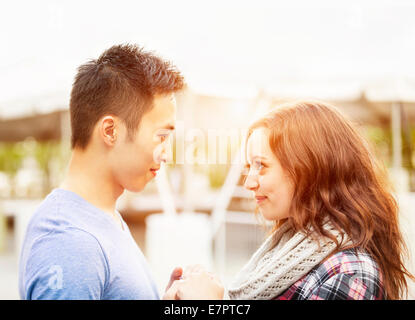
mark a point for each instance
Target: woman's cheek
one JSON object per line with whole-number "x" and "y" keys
{"x": 266, "y": 184}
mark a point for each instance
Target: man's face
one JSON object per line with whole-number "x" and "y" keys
{"x": 134, "y": 163}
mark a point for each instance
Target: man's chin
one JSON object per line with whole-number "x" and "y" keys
{"x": 137, "y": 187}
{"x": 139, "y": 184}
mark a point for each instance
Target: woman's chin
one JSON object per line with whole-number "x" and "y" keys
{"x": 268, "y": 218}
{"x": 266, "y": 215}
{"x": 269, "y": 215}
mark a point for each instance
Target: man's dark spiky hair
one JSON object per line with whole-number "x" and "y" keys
{"x": 122, "y": 81}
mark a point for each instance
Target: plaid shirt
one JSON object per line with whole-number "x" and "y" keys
{"x": 343, "y": 276}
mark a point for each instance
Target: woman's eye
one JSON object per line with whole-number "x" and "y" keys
{"x": 258, "y": 165}
{"x": 163, "y": 137}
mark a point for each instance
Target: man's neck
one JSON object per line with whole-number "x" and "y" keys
{"x": 91, "y": 179}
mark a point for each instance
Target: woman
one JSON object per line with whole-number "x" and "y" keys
{"x": 336, "y": 232}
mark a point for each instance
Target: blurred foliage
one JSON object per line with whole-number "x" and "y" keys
{"x": 46, "y": 151}
{"x": 408, "y": 146}
{"x": 43, "y": 153}
{"x": 12, "y": 154}
{"x": 199, "y": 151}
{"x": 409, "y": 154}
{"x": 11, "y": 157}
{"x": 381, "y": 140}
{"x": 217, "y": 175}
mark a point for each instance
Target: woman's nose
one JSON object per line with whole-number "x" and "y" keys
{"x": 251, "y": 182}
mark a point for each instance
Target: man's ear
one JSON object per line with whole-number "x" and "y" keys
{"x": 107, "y": 130}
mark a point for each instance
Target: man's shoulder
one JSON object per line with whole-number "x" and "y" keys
{"x": 63, "y": 245}
{"x": 70, "y": 234}
{"x": 56, "y": 216}
{"x": 72, "y": 255}
{"x": 47, "y": 212}
{"x": 55, "y": 231}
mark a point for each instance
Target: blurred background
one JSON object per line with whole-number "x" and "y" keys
{"x": 239, "y": 58}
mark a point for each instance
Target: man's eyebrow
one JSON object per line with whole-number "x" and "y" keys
{"x": 169, "y": 127}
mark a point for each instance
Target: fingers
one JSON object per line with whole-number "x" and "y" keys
{"x": 195, "y": 268}
{"x": 172, "y": 292}
{"x": 198, "y": 286}
{"x": 198, "y": 269}
{"x": 194, "y": 283}
{"x": 175, "y": 275}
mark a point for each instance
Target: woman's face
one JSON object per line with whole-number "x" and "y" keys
{"x": 272, "y": 188}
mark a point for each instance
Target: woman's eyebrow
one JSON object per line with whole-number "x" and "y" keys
{"x": 255, "y": 158}
{"x": 259, "y": 157}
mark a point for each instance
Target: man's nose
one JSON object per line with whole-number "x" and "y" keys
{"x": 166, "y": 154}
{"x": 163, "y": 157}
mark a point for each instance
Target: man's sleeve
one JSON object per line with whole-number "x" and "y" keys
{"x": 67, "y": 265}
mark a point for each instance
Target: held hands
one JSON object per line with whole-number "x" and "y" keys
{"x": 196, "y": 284}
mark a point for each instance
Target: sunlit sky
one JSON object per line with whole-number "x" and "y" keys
{"x": 222, "y": 47}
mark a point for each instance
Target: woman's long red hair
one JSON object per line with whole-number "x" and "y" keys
{"x": 336, "y": 176}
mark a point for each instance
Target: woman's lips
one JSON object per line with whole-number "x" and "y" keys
{"x": 260, "y": 199}
{"x": 154, "y": 171}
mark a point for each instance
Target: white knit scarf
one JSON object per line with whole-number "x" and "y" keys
{"x": 281, "y": 260}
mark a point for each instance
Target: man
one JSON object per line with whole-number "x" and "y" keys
{"x": 77, "y": 245}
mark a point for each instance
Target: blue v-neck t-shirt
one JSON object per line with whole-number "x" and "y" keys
{"x": 73, "y": 250}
